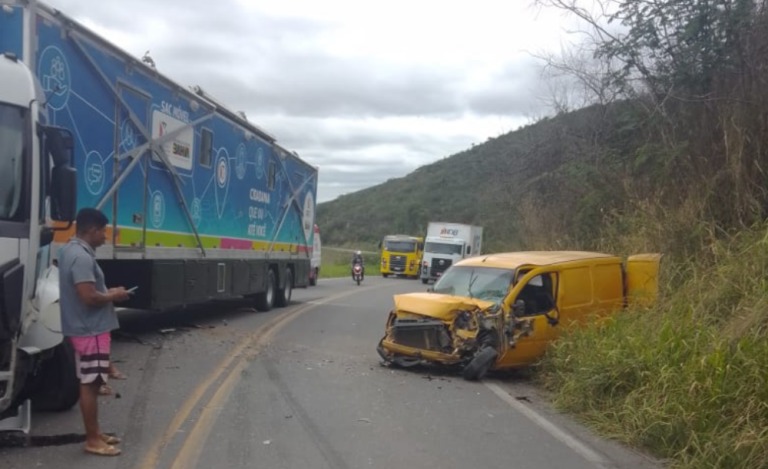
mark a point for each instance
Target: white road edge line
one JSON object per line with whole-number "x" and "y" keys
{"x": 570, "y": 441}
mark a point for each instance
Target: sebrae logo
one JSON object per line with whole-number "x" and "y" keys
{"x": 453, "y": 232}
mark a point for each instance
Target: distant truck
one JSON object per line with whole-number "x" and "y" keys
{"x": 315, "y": 258}
{"x": 447, "y": 243}
{"x": 202, "y": 204}
{"x": 401, "y": 255}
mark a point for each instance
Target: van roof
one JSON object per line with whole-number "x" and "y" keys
{"x": 512, "y": 260}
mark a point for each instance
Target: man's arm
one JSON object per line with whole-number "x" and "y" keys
{"x": 88, "y": 294}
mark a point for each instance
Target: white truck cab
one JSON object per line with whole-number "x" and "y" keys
{"x": 446, "y": 244}
{"x": 37, "y": 187}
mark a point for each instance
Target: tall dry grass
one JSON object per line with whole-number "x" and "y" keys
{"x": 688, "y": 379}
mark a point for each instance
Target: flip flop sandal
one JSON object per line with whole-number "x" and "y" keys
{"x": 108, "y": 450}
{"x": 105, "y": 390}
{"x": 110, "y": 439}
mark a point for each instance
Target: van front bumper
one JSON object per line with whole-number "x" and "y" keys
{"x": 391, "y": 351}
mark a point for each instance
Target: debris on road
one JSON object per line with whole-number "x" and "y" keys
{"x": 200, "y": 326}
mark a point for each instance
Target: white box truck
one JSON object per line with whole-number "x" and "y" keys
{"x": 202, "y": 204}
{"x": 447, "y": 243}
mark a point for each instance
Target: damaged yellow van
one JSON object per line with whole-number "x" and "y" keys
{"x": 500, "y": 311}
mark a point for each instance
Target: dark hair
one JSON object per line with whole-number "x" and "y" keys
{"x": 88, "y": 218}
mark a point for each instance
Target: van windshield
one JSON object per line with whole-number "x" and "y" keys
{"x": 11, "y": 161}
{"x": 485, "y": 283}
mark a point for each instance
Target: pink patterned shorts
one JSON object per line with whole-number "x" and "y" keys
{"x": 92, "y": 357}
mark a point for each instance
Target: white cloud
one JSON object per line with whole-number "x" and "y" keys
{"x": 365, "y": 91}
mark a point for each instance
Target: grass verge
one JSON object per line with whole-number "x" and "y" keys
{"x": 687, "y": 380}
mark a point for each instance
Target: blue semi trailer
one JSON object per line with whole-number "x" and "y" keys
{"x": 202, "y": 203}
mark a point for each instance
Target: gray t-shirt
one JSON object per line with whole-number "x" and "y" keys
{"x": 77, "y": 264}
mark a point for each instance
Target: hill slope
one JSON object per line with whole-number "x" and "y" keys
{"x": 494, "y": 184}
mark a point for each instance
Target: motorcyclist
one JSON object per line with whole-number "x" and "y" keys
{"x": 357, "y": 258}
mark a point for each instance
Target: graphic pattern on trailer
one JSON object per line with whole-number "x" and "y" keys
{"x": 240, "y": 189}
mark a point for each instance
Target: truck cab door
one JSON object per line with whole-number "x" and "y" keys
{"x": 641, "y": 279}
{"x": 531, "y": 303}
{"x": 130, "y": 202}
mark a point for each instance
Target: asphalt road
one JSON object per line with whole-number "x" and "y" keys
{"x": 302, "y": 387}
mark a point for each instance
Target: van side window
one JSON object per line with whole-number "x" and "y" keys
{"x": 538, "y": 295}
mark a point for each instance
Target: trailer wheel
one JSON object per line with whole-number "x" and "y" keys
{"x": 283, "y": 296}
{"x": 265, "y": 300}
{"x": 56, "y": 387}
{"x": 480, "y": 364}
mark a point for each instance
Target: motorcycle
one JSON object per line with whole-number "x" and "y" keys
{"x": 357, "y": 273}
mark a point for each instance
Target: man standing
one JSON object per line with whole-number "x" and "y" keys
{"x": 87, "y": 318}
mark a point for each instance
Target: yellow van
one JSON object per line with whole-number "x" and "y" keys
{"x": 500, "y": 311}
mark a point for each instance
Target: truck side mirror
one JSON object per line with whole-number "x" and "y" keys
{"x": 58, "y": 143}
{"x": 63, "y": 193}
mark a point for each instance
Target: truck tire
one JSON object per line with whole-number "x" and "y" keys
{"x": 56, "y": 388}
{"x": 385, "y": 275}
{"x": 266, "y": 299}
{"x": 480, "y": 364}
{"x": 425, "y": 281}
{"x": 283, "y": 295}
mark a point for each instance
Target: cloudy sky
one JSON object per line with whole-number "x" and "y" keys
{"x": 365, "y": 91}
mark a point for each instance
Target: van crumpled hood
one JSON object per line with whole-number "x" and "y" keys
{"x": 434, "y": 305}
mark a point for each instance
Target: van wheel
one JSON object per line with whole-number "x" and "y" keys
{"x": 480, "y": 364}
{"x": 57, "y": 388}
{"x": 265, "y": 300}
{"x": 283, "y": 296}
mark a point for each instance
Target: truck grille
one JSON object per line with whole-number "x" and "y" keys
{"x": 397, "y": 263}
{"x": 439, "y": 266}
{"x": 424, "y": 335}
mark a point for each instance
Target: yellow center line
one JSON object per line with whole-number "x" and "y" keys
{"x": 192, "y": 446}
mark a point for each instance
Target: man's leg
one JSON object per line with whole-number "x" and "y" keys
{"x": 92, "y": 362}
{"x": 89, "y": 407}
